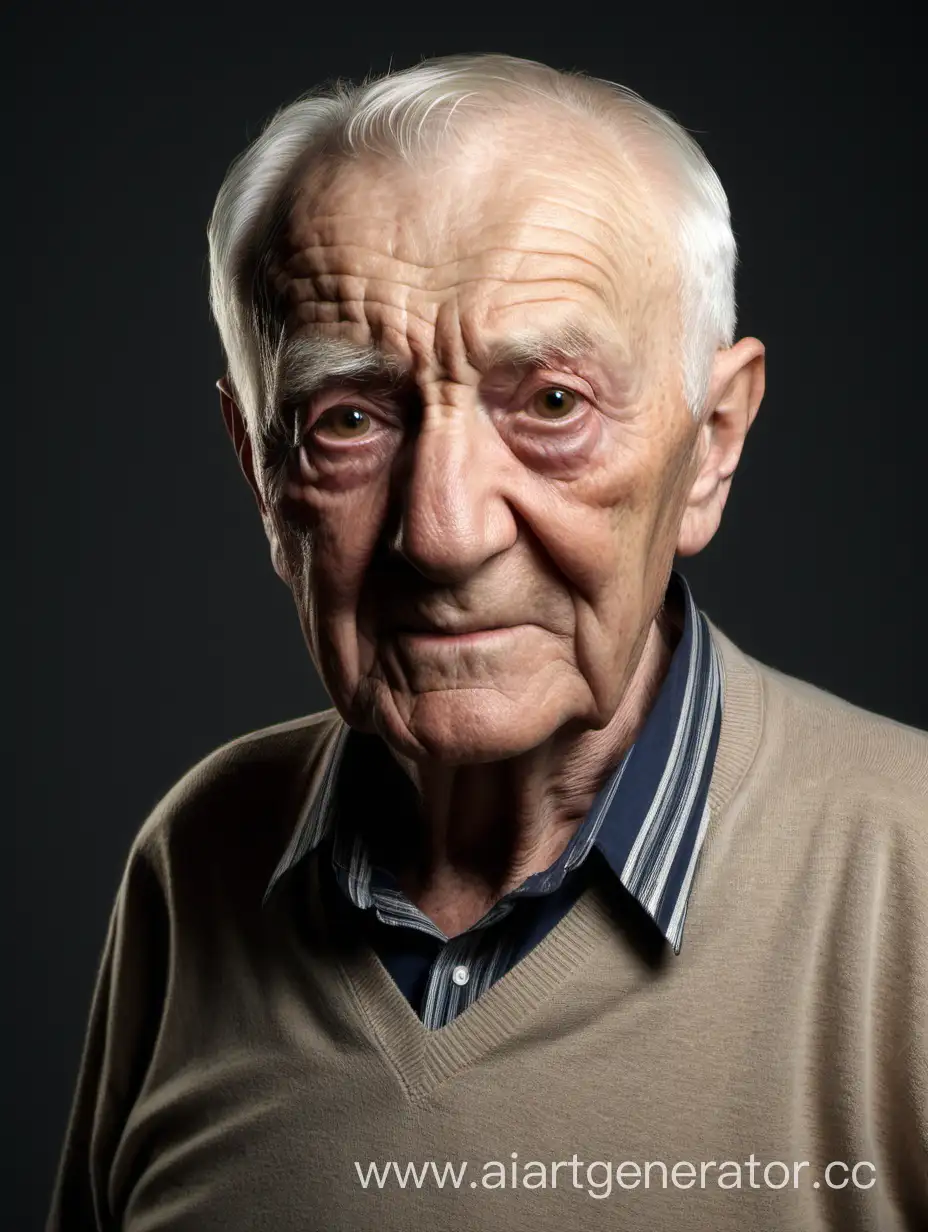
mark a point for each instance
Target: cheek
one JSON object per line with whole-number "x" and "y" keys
{"x": 635, "y": 518}
{"x": 621, "y": 542}
{"x": 672, "y": 489}
{"x": 327, "y": 472}
{"x": 330, "y": 540}
{"x": 628, "y": 512}
{"x": 651, "y": 483}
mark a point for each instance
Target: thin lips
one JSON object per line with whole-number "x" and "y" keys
{"x": 456, "y": 630}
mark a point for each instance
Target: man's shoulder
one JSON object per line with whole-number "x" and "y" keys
{"x": 863, "y": 763}
{"x": 241, "y": 801}
{"x": 849, "y": 737}
{"x": 867, "y": 766}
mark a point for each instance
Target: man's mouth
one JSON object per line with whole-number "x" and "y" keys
{"x": 450, "y": 637}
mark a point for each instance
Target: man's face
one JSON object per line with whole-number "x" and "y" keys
{"x": 478, "y": 546}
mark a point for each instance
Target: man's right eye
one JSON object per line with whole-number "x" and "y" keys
{"x": 344, "y": 422}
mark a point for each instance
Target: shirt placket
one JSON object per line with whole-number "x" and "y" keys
{"x": 465, "y": 967}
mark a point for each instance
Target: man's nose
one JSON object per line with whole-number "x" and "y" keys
{"x": 452, "y": 514}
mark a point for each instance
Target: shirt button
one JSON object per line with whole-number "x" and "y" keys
{"x": 460, "y": 975}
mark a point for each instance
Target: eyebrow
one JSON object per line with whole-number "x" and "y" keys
{"x": 306, "y": 365}
{"x": 572, "y": 340}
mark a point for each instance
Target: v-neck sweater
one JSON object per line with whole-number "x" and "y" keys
{"x": 248, "y": 1065}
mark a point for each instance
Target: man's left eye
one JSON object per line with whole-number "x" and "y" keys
{"x": 554, "y": 402}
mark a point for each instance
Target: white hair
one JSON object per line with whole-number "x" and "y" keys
{"x": 407, "y": 114}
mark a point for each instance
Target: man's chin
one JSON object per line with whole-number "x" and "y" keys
{"x": 464, "y": 726}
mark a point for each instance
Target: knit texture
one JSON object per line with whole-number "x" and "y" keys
{"x": 246, "y": 1064}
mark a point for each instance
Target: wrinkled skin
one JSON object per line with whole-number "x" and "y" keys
{"x": 546, "y": 500}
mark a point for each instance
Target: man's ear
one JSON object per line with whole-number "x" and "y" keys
{"x": 238, "y": 433}
{"x": 241, "y": 443}
{"x": 736, "y": 389}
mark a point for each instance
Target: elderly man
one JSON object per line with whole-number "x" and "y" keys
{"x": 569, "y": 913}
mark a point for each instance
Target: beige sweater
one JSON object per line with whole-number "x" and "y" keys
{"x": 244, "y": 1068}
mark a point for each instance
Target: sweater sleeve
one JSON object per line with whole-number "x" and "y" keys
{"x": 124, "y": 1017}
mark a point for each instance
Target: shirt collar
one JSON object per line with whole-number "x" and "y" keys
{"x": 649, "y": 819}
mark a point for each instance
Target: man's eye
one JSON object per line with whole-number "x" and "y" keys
{"x": 345, "y": 422}
{"x": 553, "y": 402}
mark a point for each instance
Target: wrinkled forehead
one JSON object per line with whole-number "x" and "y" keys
{"x": 511, "y": 231}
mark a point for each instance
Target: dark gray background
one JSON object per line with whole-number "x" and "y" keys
{"x": 150, "y": 627}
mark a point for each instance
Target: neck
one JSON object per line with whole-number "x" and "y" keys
{"x": 480, "y": 830}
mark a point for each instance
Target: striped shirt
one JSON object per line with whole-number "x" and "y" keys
{"x": 643, "y": 832}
